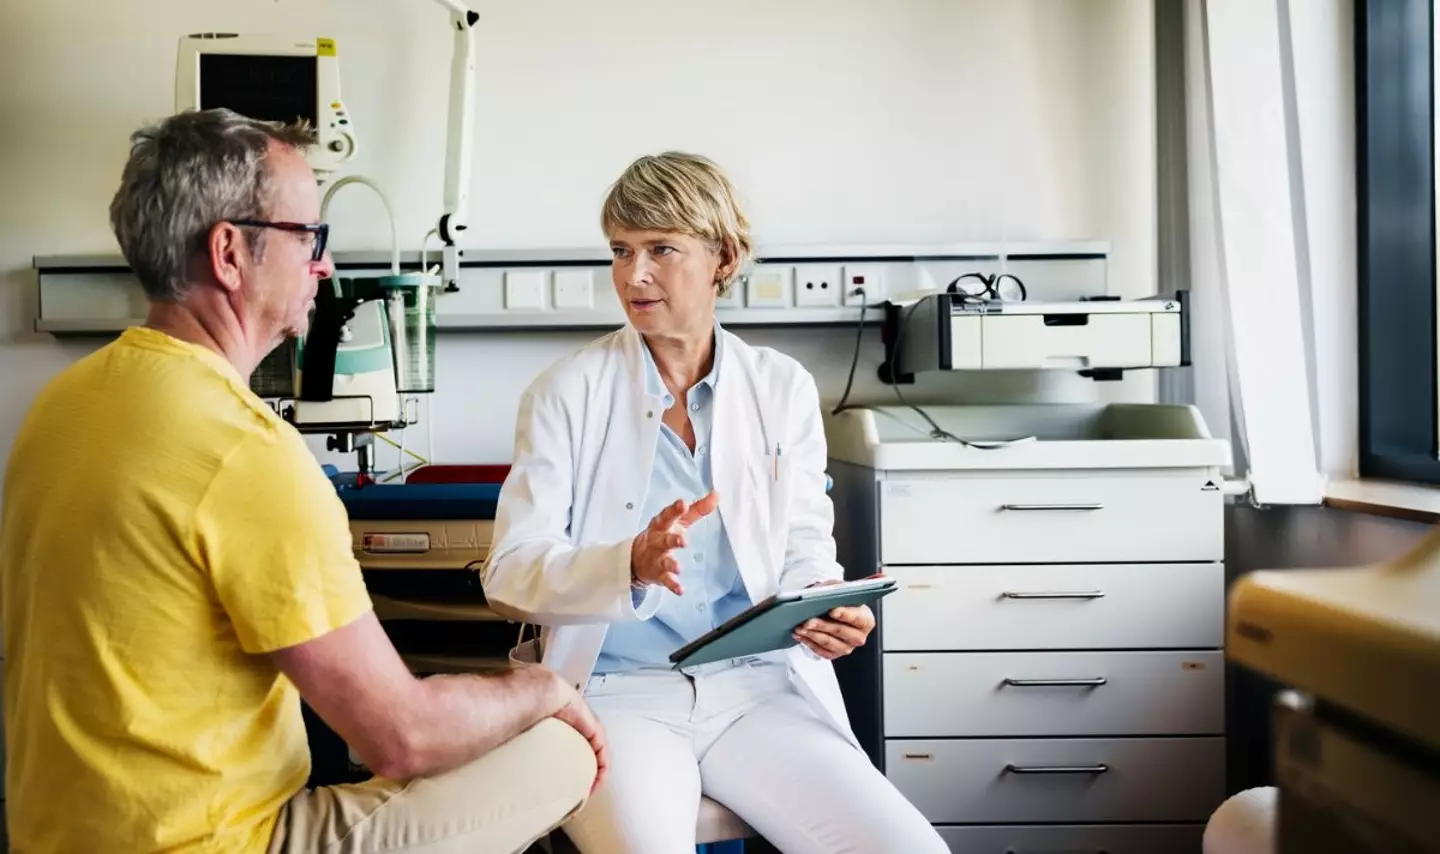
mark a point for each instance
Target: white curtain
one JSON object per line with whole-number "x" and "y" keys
{"x": 1250, "y": 250}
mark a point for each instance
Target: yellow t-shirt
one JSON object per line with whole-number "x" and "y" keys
{"x": 161, "y": 530}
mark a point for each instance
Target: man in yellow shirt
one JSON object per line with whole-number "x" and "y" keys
{"x": 177, "y": 572}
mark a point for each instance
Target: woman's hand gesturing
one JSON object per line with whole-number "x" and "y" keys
{"x": 651, "y": 561}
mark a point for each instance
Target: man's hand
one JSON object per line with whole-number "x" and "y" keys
{"x": 839, "y": 632}
{"x": 578, "y": 715}
{"x": 650, "y": 558}
{"x": 570, "y": 708}
{"x": 402, "y": 727}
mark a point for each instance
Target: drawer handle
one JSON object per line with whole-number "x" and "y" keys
{"x": 1057, "y": 769}
{"x": 1061, "y": 851}
{"x": 1081, "y": 594}
{"x": 1095, "y": 506}
{"x": 926, "y": 756}
{"x": 1094, "y": 682}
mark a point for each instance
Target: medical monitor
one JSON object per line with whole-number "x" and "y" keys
{"x": 271, "y": 78}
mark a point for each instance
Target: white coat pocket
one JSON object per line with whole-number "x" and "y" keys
{"x": 770, "y": 481}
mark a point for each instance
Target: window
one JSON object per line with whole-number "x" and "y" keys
{"x": 1395, "y": 196}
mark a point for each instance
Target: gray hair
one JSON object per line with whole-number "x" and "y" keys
{"x": 185, "y": 174}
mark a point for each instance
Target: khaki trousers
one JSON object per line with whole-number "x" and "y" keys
{"x": 501, "y": 803}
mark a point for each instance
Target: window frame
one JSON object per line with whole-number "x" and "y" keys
{"x": 1399, "y": 423}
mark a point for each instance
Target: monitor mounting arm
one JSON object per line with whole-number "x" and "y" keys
{"x": 459, "y": 139}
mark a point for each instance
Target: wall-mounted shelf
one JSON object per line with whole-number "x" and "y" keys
{"x": 561, "y": 320}
{"x": 517, "y": 322}
{"x": 570, "y": 289}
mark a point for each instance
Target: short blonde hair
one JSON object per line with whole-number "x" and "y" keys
{"x": 684, "y": 193}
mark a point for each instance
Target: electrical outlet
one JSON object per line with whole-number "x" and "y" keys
{"x": 769, "y": 287}
{"x": 817, "y": 285}
{"x": 871, "y": 277}
{"x": 525, "y": 289}
{"x": 573, "y": 289}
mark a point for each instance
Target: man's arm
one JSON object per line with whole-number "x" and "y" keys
{"x": 403, "y": 727}
{"x": 276, "y": 542}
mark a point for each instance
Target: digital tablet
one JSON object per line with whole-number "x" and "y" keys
{"x": 770, "y": 624}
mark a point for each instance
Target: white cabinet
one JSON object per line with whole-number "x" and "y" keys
{"x": 1050, "y": 673}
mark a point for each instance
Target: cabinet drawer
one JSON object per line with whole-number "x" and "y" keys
{"x": 1136, "y": 606}
{"x": 976, "y": 781}
{"x": 1104, "y": 341}
{"x": 964, "y": 695}
{"x": 1082, "y": 517}
{"x": 1073, "y": 839}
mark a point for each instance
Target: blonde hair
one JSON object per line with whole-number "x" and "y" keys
{"x": 684, "y": 193}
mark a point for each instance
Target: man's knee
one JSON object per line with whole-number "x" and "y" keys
{"x": 569, "y": 758}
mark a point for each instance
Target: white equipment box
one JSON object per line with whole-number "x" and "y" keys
{"x": 1099, "y": 338}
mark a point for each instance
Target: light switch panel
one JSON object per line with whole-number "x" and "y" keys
{"x": 525, "y": 289}
{"x": 573, "y": 289}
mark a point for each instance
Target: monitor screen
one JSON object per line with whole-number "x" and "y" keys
{"x": 268, "y": 88}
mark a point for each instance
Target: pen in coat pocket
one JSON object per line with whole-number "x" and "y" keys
{"x": 775, "y": 464}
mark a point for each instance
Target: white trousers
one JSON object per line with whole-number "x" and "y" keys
{"x": 746, "y": 738}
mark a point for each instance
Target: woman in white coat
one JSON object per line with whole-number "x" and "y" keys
{"x": 665, "y": 477}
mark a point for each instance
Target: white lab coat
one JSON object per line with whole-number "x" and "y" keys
{"x": 584, "y": 445}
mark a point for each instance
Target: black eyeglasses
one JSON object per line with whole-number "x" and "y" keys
{"x": 998, "y": 286}
{"x": 321, "y": 230}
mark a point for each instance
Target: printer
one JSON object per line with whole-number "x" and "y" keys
{"x": 1357, "y": 733}
{"x": 1099, "y": 337}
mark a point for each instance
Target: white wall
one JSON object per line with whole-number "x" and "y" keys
{"x": 843, "y": 121}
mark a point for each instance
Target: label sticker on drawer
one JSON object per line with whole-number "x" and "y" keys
{"x": 1192, "y": 665}
{"x": 389, "y": 544}
{"x": 897, "y": 489}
